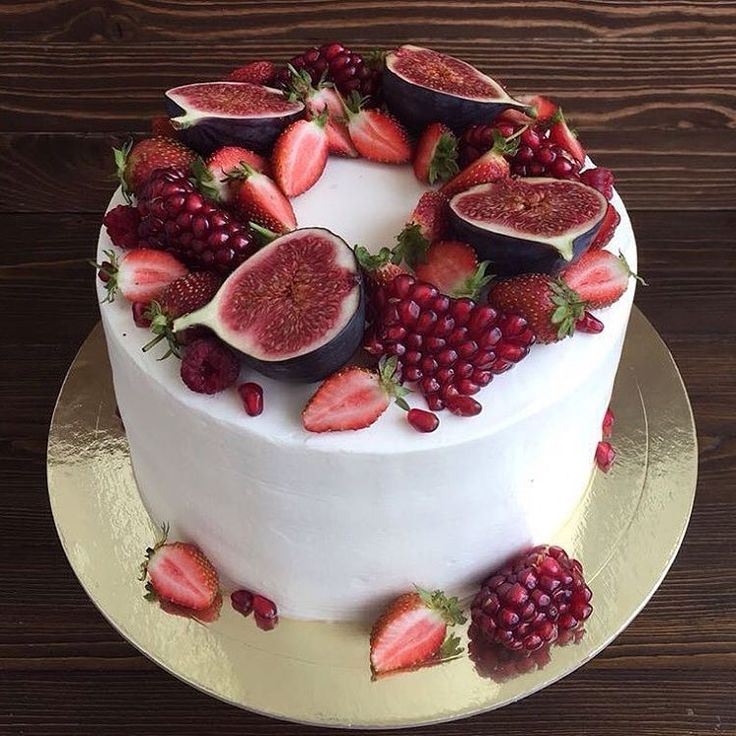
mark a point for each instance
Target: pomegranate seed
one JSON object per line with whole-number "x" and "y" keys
{"x": 402, "y": 285}
{"x": 408, "y": 313}
{"x": 466, "y": 387}
{"x": 435, "y": 402}
{"x": 448, "y": 392}
{"x": 423, "y": 293}
{"x": 561, "y": 168}
{"x": 524, "y": 154}
{"x": 429, "y": 365}
{"x": 434, "y": 344}
{"x": 413, "y": 357}
{"x": 589, "y": 323}
{"x": 252, "y": 396}
{"x": 414, "y": 341}
{"x": 461, "y": 310}
{"x": 531, "y": 138}
{"x": 445, "y": 375}
{"x": 481, "y": 378}
{"x": 608, "y": 422}
{"x": 447, "y": 357}
{"x": 423, "y": 421}
{"x": 429, "y": 385}
{"x": 545, "y": 155}
{"x": 605, "y": 456}
{"x": 425, "y": 323}
{"x": 264, "y": 607}
{"x": 242, "y": 601}
{"x": 464, "y": 406}
{"x": 413, "y": 374}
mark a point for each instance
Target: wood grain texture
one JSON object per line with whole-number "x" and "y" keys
{"x": 652, "y": 88}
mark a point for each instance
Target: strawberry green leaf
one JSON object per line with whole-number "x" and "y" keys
{"x": 411, "y": 246}
{"x": 449, "y": 608}
{"x": 443, "y": 165}
{"x": 451, "y": 647}
{"x": 372, "y": 261}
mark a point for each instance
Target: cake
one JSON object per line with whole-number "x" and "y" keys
{"x": 332, "y": 525}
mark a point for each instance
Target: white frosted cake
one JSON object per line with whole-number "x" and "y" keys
{"x": 333, "y": 525}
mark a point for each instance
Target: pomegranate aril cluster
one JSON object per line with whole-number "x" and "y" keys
{"x": 528, "y": 603}
{"x": 176, "y": 217}
{"x": 449, "y": 348}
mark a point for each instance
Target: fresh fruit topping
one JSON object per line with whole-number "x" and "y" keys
{"x": 560, "y": 133}
{"x": 300, "y": 155}
{"x": 412, "y": 631}
{"x": 161, "y": 127}
{"x": 223, "y": 162}
{"x": 336, "y": 63}
{"x": 353, "y": 398}
{"x": 599, "y": 277}
{"x": 527, "y": 224}
{"x": 435, "y": 157}
{"x": 599, "y": 178}
{"x": 136, "y": 163}
{"x": 182, "y": 296}
{"x": 427, "y": 224}
{"x": 589, "y": 323}
{"x": 491, "y": 166}
{"x": 296, "y": 309}
{"x": 257, "y": 198}
{"x": 380, "y": 268}
{"x": 256, "y": 72}
{"x": 140, "y": 275}
{"x": 252, "y": 396}
{"x": 607, "y": 229}
{"x": 605, "y": 456}
{"x": 422, "y": 421}
{"x": 376, "y": 135}
{"x": 140, "y": 314}
{"x": 464, "y": 406}
{"x": 178, "y": 218}
{"x": 209, "y": 115}
{"x": 422, "y": 86}
{"x": 452, "y": 266}
{"x": 179, "y": 573}
{"x": 527, "y": 603}
{"x": 550, "y": 306}
{"x": 242, "y": 601}
{"x": 543, "y": 109}
{"x": 446, "y": 347}
{"x": 209, "y": 367}
{"x": 609, "y": 420}
{"x": 204, "y": 615}
{"x": 265, "y": 613}
{"x": 122, "y": 226}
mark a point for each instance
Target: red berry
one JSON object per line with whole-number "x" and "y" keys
{"x": 423, "y": 421}
{"x": 252, "y": 396}
{"x": 605, "y": 456}
{"x": 122, "y": 224}
{"x": 242, "y": 601}
{"x": 608, "y": 422}
{"x": 209, "y": 366}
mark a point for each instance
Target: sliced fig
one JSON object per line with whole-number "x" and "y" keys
{"x": 423, "y": 86}
{"x": 295, "y": 310}
{"x": 209, "y": 115}
{"x": 524, "y": 225}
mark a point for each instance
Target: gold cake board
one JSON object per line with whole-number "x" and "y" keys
{"x": 626, "y": 531}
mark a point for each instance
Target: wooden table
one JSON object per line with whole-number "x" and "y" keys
{"x": 652, "y": 87}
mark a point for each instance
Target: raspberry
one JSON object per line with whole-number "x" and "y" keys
{"x": 122, "y": 226}
{"x": 209, "y": 366}
{"x": 176, "y": 217}
{"x": 599, "y": 178}
{"x": 449, "y": 348}
{"x": 526, "y": 604}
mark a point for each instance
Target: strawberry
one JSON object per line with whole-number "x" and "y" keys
{"x": 381, "y": 268}
{"x": 179, "y": 573}
{"x": 136, "y": 163}
{"x": 141, "y": 275}
{"x": 542, "y": 109}
{"x": 435, "y": 157}
{"x": 599, "y": 277}
{"x": 549, "y": 305}
{"x": 562, "y": 135}
{"x": 412, "y": 632}
{"x": 514, "y": 117}
{"x": 182, "y": 296}
{"x": 222, "y": 163}
{"x": 205, "y": 615}
{"x": 490, "y": 166}
{"x": 427, "y": 224}
{"x": 607, "y": 229}
{"x": 161, "y": 127}
{"x": 453, "y": 268}
{"x": 353, "y": 398}
{"x": 376, "y": 135}
{"x": 257, "y": 198}
{"x": 300, "y": 155}
{"x": 257, "y": 72}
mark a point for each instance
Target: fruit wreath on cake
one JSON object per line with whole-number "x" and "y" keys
{"x": 503, "y": 253}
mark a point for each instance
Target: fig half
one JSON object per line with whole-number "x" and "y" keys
{"x": 528, "y": 225}
{"x": 422, "y": 86}
{"x": 295, "y": 309}
{"x": 214, "y": 114}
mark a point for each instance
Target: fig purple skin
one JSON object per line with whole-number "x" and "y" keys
{"x": 422, "y": 86}
{"x": 544, "y": 238}
{"x": 210, "y": 115}
{"x": 295, "y": 310}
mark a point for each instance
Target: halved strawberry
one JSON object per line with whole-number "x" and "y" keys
{"x": 490, "y": 166}
{"x": 560, "y": 133}
{"x": 599, "y": 277}
{"x": 427, "y": 224}
{"x": 136, "y": 163}
{"x": 141, "y": 275}
{"x": 161, "y": 127}
{"x": 223, "y": 162}
{"x": 380, "y": 268}
{"x": 257, "y": 72}
{"x": 435, "y": 157}
{"x": 542, "y": 108}
{"x": 353, "y": 398}
{"x": 179, "y": 573}
{"x": 300, "y": 155}
{"x": 205, "y": 615}
{"x": 412, "y": 632}
{"x": 608, "y": 227}
{"x": 376, "y": 135}
{"x": 452, "y": 266}
{"x": 257, "y": 198}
